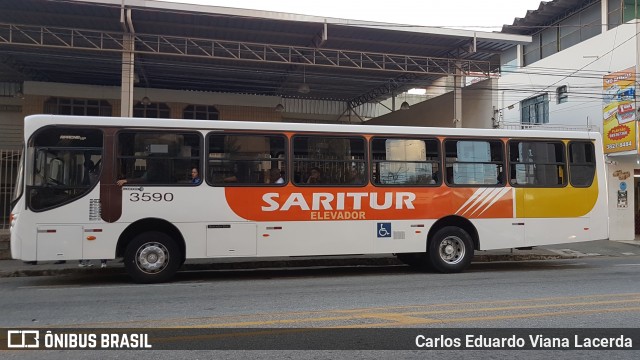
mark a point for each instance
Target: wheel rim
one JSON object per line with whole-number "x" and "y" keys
{"x": 152, "y": 258}
{"x": 452, "y": 250}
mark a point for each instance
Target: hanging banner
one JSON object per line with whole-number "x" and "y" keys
{"x": 619, "y": 111}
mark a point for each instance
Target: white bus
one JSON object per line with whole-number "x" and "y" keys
{"x": 429, "y": 195}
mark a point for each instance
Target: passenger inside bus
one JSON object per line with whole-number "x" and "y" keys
{"x": 91, "y": 172}
{"x": 276, "y": 176}
{"x": 195, "y": 176}
{"x": 354, "y": 177}
{"x": 315, "y": 176}
{"x": 155, "y": 174}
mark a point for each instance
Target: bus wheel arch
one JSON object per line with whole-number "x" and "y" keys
{"x": 451, "y": 243}
{"x": 155, "y": 239}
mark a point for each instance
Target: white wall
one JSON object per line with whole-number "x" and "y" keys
{"x": 581, "y": 67}
{"x": 621, "y": 219}
{"x": 478, "y": 101}
{"x": 608, "y": 52}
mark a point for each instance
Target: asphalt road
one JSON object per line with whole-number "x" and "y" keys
{"x": 579, "y": 293}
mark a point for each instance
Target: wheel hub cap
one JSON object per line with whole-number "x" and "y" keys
{"x": 152, "y": 257}
{"x": 452, "y": 250}
{"x": 448, "y": 250}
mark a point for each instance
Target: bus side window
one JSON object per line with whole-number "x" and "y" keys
{"x": 243, "y": 159}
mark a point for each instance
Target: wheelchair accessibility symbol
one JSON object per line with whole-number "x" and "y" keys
{"x": 384, "y": 230}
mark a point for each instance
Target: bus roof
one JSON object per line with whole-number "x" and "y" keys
{"x": 34, "y": 122}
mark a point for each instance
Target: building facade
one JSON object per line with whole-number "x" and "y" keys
{"x": 580, "y": 71}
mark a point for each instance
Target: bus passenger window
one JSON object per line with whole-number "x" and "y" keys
{"x": 157, "y": 157}
{"x": 244, "y": 159}
{"x": 474, "y": 162}
{"x": 329, "y": 160}
{"x": 537, "y": 163}
{"x": 582, "y": 165}
{"x": 398, "y": 161}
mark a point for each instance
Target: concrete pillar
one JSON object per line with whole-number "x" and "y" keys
{"x": 126, "y": 91}
{"x": 604, "y": 13}
{"x": 457, "y": 97}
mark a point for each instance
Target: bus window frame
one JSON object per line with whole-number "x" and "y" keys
{"x": 439, "y": 181}
{"x": 565, "y": 163}
{"x": 30, "y": 149}
{"x": 504, "y": 162}
{"x": 174, "y": 131}
{"x": 365, "y": 161}
{"x": 287, "y": 141}
{"x": 569, "y": 163}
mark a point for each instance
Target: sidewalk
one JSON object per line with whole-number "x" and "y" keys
{"x": 16, "y": 268}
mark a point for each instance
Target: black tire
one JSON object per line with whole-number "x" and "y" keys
{"x": 152, "y": 257}
{"x": 450, "y": 250}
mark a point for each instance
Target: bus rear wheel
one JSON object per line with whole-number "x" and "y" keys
{"x": 450, "y": 250}
{"x": 152, "y": 257}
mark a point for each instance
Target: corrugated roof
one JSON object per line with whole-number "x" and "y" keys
{"x": 548, "y": 13}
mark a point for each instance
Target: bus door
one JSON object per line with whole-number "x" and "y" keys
{"x": 554, "y": 216}
{"x": 231, "y": 239}
{"x": 518, "y": 223}
{"x": 556, "y": 206}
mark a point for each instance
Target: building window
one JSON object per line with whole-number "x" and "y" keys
{"x": 562, "y": 94}
{"x": 614, "y": 17}
{"x": 590, "y": 22}
{"x": 535, "y": 110}
{"x": 548, "y": 42}
{"x": 630, "y": 10}
{"x": 200, "y": 112}
{"x": 82, "y": 107}
{"x": 153, "y": 110}
{"x": 532, "y": 50}
{"x": 10, "y": 89}
{"x": 621, "y": 11}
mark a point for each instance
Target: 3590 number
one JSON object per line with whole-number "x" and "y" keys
{"x": 135, "y": 196}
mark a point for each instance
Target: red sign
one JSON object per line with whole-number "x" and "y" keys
{"x": 618, "y": 132}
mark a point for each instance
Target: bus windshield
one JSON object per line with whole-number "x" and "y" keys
{"x": 66, "y": 165}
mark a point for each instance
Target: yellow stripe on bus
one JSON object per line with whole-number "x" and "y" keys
{"x": 556, "y": 202}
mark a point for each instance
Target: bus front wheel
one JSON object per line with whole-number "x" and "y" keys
{"x": 450, "y": 250}
{"x": 152, "y": 257}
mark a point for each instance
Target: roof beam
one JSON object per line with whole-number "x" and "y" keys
{"x": 69, "y": 38}
{"x": 381, "y": 90}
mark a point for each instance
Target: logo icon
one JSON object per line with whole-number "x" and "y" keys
{"x": 384, "y": 230}
{"x": 22, "y": 339}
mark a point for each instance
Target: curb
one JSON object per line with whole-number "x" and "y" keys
{"x": 118, "y": 268}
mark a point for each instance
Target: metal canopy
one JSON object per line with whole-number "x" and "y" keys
{"x": 191, "y": 47}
